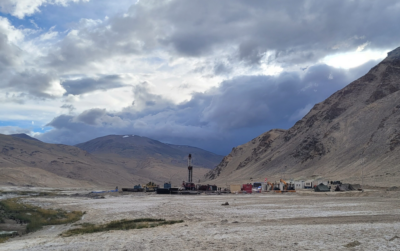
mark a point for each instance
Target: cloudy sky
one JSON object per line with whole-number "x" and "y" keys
{"x": 212, "y": 74}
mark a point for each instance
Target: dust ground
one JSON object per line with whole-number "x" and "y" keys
{"x": 300, "y": 221}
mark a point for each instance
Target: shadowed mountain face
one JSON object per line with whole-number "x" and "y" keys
{"x": 142, "y": 149}
{"x": 354, "y": 131}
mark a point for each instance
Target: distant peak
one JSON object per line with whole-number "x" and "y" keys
{"x": 127, "y": 136}
{"x": 23, "y": 136}
{"x": 20, "y": 134}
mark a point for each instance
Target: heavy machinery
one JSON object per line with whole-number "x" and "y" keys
{"x": 287, "y": 187}
{"x": 271, "y": 186}
{"x": 150, "y": 187}
{"x": 188, "y": 185}
{"x": 207, "y": 188}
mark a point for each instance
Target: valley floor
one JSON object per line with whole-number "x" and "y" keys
{"x": 300, "y": 221}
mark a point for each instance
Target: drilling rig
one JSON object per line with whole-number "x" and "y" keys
{"x": 189, "y": 185}
{"x": 190, "y": 168}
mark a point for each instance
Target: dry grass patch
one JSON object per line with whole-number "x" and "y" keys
{"x": 352, "y": 244}
{"x": 4, "y": 239}
{"x": 36, "y": 217}
{"x": 88, "y": 228}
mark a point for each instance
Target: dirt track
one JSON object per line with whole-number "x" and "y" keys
{"x": 249, "y": 222}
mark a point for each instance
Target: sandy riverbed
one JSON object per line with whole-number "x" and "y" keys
{"x": 299, "y": 221}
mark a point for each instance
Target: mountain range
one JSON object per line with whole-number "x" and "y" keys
{"x": 354, "y": 135}
{"x": 114, "y": 160}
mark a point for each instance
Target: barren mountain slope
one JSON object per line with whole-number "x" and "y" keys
{"x": 356, "y": 128}
{"x": 24, "y": 161}
{"x": 32, "y": 176}
{"x": 60, "y": 160}
{"x": 139, "y": 152}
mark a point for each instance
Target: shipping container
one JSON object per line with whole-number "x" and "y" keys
{"x": 247, "y": 188}
{"x": 235, "y": 188}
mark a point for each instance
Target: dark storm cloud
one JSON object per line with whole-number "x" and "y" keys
{"x": 14, "y": 98}
{"x": 143, "y": 97}
{"x": 61, "y": 121}
{"x": 126, "y": 35}
{"x": 30, "y": 82}
{"x": 298, "y": 31}
{"x": 91, "y": 116}
{"x": 217, "y": 119}
{"x": 9, "y": 53}
{"x": 86, "y": 85}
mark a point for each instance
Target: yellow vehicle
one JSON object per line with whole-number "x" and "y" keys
{"x": 288, "y": 187}
{"x": 150, "y": 187}
{"x": 271, "y": 186}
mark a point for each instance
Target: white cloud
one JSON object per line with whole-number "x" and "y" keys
{"x": 48, "y": 35}
{"x": 362, "y": 47}
{"x": 353, "y": 59}
{"x": 22, "y": 8}
{"x": 13, "y": 34}
{"x": 13, "y": 130}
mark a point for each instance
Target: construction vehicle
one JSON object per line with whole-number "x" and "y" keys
{"x": 150, "y": 187}
{"x": 271, "y": 186}
{"x": 287, "y": 187}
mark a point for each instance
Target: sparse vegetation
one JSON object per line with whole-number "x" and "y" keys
{"x": 352, "y": 244}
{"x": 4, "y": 239}
{"x": 88, "y": 228}
{"x": 36, "y": 217}
{"x": 30, "y": 193}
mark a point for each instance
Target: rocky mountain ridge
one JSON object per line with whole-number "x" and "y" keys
{"x": 355, "y": 131}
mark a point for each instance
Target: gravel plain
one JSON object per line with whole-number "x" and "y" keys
{"x": 295, "y": 221}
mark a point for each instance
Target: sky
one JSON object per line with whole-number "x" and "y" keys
{"x": 210, "y": 74}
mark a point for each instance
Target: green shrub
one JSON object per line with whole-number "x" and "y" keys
{"x": 37, "y": 217}
{"x": 4, "y": 239}
{"x": 88, "y": 228}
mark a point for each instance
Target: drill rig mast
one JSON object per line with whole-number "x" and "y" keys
{"x": 190, "y": 168}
